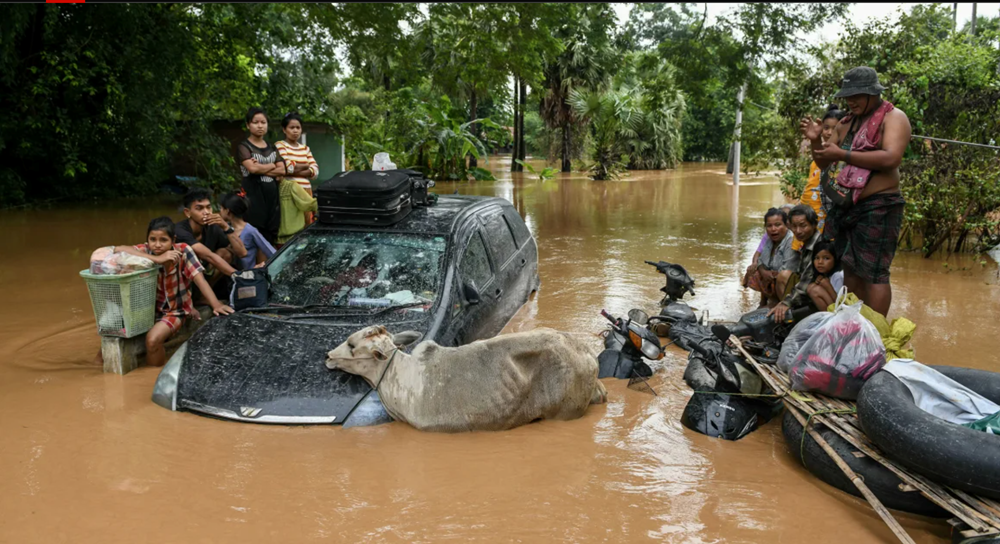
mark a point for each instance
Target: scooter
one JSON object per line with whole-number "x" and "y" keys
{"x": 628, "y": 341}
{"x": 672, "y": 309}
{"x": 760, "y": 327}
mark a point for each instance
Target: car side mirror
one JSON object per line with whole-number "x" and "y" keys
{"x": 471, "y": 292}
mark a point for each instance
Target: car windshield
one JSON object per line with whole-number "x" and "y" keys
{"x": 358, "y": 269}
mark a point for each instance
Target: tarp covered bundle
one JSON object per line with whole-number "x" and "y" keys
{"x": 943, "y": 397}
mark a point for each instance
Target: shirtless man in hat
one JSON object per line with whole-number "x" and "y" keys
{"x": 866, "y": 211}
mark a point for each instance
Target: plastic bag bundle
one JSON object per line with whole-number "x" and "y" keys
{"x": 844, "y": 351}
{"x": 104, "y": 262}
{"x": 801, "y": 333}
{"x": 895, "y": 336}
{"x": 381, "y": 162}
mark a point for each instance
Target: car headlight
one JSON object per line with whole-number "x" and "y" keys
{"x": 165, "y": 389}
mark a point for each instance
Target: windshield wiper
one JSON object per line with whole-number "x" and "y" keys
{"x": 377, "y": 311}
{"x": 275, "y": 307}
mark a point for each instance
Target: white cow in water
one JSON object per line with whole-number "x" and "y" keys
{"x": 492, "y": 385}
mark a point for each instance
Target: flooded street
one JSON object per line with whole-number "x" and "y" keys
{"x": 86, "y": 457}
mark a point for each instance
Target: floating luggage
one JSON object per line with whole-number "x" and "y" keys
{"x": 365, "y": 198}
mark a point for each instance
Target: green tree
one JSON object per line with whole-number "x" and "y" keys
{"x": 586, "y": 62}
{"x": 614, "y": 117}
{"x": 652, "y": 81}
{"x": 89, "y": 114}
{"x": 462, "y": 55}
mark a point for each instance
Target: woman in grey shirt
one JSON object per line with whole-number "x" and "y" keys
{"x": 775, "y": 256}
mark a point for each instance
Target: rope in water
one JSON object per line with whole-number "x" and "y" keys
{"x": 772, "y": 395}
{"x": 802, "y": 442}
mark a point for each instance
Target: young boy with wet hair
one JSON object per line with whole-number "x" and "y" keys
{"x": 179, "y": 269}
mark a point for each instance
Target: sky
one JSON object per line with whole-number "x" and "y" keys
{"x": 859, "y": 14}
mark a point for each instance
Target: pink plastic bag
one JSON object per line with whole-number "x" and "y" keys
{"x": 842, "y": 354}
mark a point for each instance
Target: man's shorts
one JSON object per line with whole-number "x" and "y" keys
{"x": 866, "y": 235}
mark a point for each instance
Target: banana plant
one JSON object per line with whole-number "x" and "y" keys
{"x": 546, "y": 174}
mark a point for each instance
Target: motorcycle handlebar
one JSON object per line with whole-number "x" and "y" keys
{"x": 696, "y": 346}
{"x": 608, "y": 317}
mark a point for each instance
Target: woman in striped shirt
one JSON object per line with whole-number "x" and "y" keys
{"x": 302, "y": 166}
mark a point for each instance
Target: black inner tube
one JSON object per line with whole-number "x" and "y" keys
{"x": 883, "y": 483}
{"x": 944, "y": 452}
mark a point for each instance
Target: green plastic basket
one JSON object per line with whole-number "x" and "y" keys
{"x": 125, "y": 304}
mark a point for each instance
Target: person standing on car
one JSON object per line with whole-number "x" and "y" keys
{"x": 262, "y": 166}
{"x": 301, "y": 164}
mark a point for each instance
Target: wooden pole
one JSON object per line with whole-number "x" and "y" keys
{"x": 973, "y": 18}
{"x": 514, "y": 167}
{"x": 970, "y": 510}
{"x": 738, "y": 130}
{"x": 876, "y": 504}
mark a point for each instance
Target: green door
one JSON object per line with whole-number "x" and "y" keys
{"x": 328, "y": 150}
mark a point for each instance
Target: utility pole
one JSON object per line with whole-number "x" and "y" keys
{"x": 954, "y": 17}
{"x": 973, "y": 18}
{"x": 739, "y": 123}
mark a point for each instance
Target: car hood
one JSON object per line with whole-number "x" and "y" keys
{"x": 255, "y": 368}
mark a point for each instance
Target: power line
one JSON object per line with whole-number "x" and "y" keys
{"x": 955, "y": 142}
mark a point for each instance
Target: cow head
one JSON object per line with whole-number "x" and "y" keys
{"x": 367, "y": 351}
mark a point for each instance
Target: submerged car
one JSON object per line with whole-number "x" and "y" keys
{"x": 456, "y": 271}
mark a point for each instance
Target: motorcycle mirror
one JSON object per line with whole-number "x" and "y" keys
{"x": 638, "y": 316}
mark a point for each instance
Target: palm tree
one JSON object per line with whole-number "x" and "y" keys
{"x": 584, "y": 63}
{"x": 615, "y": 118}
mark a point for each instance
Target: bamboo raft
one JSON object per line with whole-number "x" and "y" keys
{"x": 980, "y": 514}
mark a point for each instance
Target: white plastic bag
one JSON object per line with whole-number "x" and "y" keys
{"x": 381, "y": 162}
{"x": 801, "y": 333}
{"x": 842, "y": 354}
{"x": 103, "y": 261}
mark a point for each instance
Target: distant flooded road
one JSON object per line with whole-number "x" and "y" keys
{"x": 86, "y": 457}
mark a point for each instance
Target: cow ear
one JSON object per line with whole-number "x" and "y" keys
{"x": 405, "y": 338}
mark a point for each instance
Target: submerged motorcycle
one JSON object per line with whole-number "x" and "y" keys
{"x": 627, "y": 342}
{"x": 730, "y": 399}
{"x": 727, "y": 402}
{"x": 672, "y": 309}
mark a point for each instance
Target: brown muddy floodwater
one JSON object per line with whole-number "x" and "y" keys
{"x": 87, "y": 457}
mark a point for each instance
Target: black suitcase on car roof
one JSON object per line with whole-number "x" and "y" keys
{"x": 420, "y": 185}
{"x": 365, "y": 198}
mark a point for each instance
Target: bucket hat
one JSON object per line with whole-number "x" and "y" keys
{"x": 860, "y": 80}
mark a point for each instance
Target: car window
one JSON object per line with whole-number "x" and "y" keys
{"x": 475, "y": 263}
{"x": 517, "y": 226}
{"x": 358, "y": 269}
{"x": 501, "y": 238}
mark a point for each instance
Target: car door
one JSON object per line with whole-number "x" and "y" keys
{"x": 510, "y": 290}
{"x": 526, "y": 259}
{"x": 475, "y": 267}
